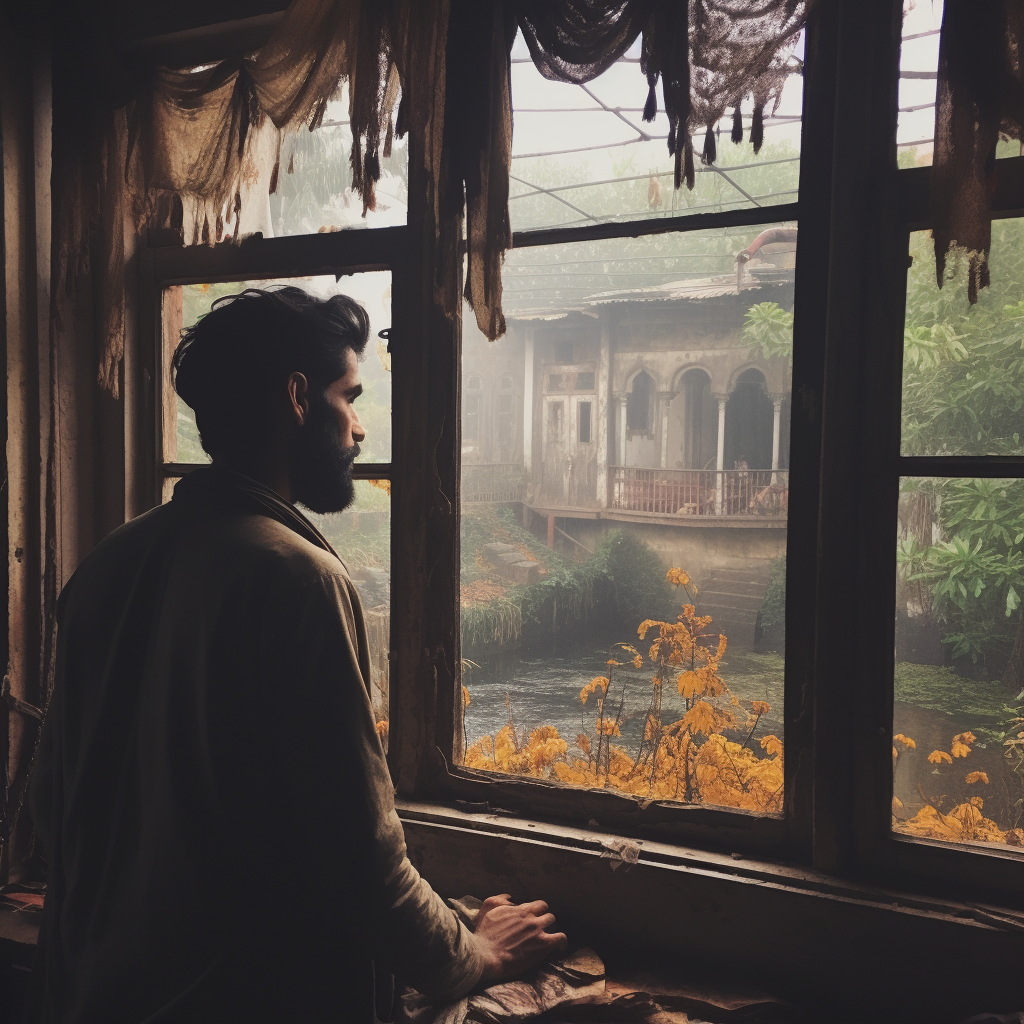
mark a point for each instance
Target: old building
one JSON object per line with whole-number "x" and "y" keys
{"x": 645, "y": 406}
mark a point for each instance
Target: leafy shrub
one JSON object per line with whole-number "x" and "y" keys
{"x": 633, "y": 579}
{"x": 772, "y": 616}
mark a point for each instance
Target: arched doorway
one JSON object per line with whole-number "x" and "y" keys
{"x": 693, "y": 423}
{"x": 749, "y": 418}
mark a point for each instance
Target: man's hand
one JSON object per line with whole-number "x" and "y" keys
{"x": 514, "y": 937}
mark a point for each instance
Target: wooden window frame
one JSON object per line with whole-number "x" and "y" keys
{"x": 851, "y": 272}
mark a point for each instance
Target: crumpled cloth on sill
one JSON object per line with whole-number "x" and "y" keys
{"x": 574, "y": 989}
{"x": 571, "y": 988}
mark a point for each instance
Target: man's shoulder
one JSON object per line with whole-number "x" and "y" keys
{"x": 280, "y": 547}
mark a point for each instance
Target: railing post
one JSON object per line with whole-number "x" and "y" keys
{"x": 777, "y": 401}
{"x": 720, "y": 464}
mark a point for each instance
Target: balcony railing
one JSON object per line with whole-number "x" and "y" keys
{"x": 700, "y": 492}
{"x": 493, "y": 483}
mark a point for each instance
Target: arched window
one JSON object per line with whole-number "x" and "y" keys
{"x": 638, "y": 403}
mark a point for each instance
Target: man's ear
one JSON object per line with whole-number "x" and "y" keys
{"x": 298, "y": 398}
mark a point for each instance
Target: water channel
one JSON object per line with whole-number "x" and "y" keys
{"x": 543, "y": 688}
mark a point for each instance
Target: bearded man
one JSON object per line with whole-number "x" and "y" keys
{"x": 210, "y": 792}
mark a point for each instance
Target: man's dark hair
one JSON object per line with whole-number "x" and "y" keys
{"x": 230, "y": 361}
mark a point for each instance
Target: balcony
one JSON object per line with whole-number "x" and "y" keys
{"x": 731, "y": 493}
{"x": 492, "y": 483}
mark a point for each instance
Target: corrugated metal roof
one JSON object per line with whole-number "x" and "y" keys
{"x": 702, "y": 288}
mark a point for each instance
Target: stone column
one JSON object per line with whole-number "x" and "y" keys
{"x": 720, "y": 464}
{"x": 664, "y": 400}
{"x": 620, "y": 409}
{"x": 528, "y": 386}
{"x": 619, "y": 405}
{"x": 601, "y": 422}
{"x": 777, "y": 401}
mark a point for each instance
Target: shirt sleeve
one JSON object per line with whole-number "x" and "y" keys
{"x": 340, "y": 797}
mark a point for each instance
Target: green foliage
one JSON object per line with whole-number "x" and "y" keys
{"x": 773, "y": 607}
{"x": 768, "y": 330}
{"x": 963, "y": 366}
{"x": 963, "y": 394}
{"x": 624, "y": 579}
{"x": 634, "y": 578}
{"x": 497, "y": 611}
{"x": 976, "y": 576}
{"x": 938, "y": 688}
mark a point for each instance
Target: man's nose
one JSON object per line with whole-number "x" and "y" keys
{"x": 358, "y": 433}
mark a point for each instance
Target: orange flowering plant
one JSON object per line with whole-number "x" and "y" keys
{"x": 690, "y": 759}
{"x": 964, "y": 821}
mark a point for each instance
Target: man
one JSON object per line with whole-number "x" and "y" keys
{"x": 210, "y": 792}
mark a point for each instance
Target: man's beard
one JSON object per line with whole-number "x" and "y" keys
{"x": 321, "y": 466}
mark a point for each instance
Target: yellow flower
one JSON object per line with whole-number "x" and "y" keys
{"x": 905, "y": 740}
{"x": 938, "y": 756}
{"x": 595, "y": 684}
{"x": 973, "y": 777}
{"x": 960, "y": 743}
{"x": 465, "y": 697}
{"x": 678, "y": 577}
{"x": 760, "y": 707}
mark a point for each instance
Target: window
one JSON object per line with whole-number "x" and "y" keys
{"x": 624, "y": 451}
{"x": 638, "y": 403}
{"x": 362, "y": 533}
{"x": 583, "y": 429}
{"x": 656, "y": 372}
{"x": 958, "y": 719}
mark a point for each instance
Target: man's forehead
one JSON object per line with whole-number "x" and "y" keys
{"x": 351, "y": 375}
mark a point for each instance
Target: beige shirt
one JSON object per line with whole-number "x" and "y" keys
{"x": 211, "y": 794}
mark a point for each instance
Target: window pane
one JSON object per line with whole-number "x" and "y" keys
{"x": 313, "y": 190}
{"x": 648, "y": 417}
{"x": 963, "y": 365}
{"x": 958, "y": 722}
{"x": 362, "y": 537}
{"x": 184, "y": 304}
{"x": 582, "y": 154}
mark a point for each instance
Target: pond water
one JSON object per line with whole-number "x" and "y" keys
{"x": 544, "y": 689}
{"x": 931, "y": 724}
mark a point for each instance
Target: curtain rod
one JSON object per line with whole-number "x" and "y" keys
{"x": 204, "y": 44}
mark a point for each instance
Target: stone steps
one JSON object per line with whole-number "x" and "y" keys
{"x": 733, "y": 598}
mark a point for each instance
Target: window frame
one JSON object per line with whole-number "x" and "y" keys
{"x": 836, "y": 815}
{"x": 991, "y": 869}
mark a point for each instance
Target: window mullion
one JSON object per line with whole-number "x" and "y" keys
{"x": 852, "y": 678}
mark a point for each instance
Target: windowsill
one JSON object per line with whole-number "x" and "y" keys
{"x": 672, "y": 857}
{"x": 807, "y": 936}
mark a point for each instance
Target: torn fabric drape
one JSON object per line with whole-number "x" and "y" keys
{"x": 196, "y": 140}
{"x": 709, "y": 55}
{"x": 979, "y": 94}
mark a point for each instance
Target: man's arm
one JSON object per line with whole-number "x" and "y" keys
{"x": 357, "y": 842}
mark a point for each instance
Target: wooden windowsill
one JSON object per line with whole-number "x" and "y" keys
{"x": 814, "y": 939}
